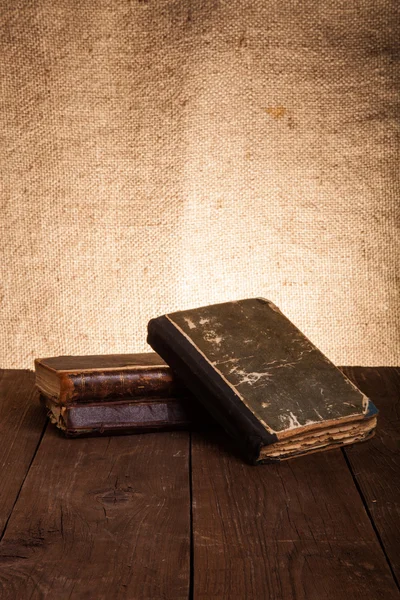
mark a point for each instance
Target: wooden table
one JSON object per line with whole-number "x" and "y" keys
{"x": 179, "y": 515}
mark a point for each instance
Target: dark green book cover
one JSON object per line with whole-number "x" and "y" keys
{"x": 262, "y": 379}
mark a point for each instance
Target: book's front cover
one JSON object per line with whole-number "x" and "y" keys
{"x": 260, "y": 357}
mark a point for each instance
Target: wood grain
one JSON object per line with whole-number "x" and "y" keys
{"x": 21, "y": 425}
{"x": 293, "y": 530}
{"x": 101, "y": 518}
{"x": 110, "y": 518}
{"x": 376, "y": 465}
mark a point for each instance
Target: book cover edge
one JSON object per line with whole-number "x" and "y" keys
{"x": 243, "y": 422}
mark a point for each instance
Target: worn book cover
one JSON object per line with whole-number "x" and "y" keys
{"x": 262, "y": 379}
{"x": 71, "y": 379}
{"x": 125, "y": 393}
{"x": 133, "y": 415}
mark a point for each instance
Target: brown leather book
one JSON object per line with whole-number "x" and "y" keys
{"x": 125, "y": 393}
{"x": 70, "y": 379}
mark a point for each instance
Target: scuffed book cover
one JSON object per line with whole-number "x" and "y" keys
{"x": 272, "y": 390}
{"x": 112, "y": 417}
{"x": 72, "y": 379}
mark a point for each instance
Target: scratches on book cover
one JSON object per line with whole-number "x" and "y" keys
{"x": 293, "y": 421}
{"x": 190, "y": 323}
{"x": 204, "y": 321}
{"x": 250, "y": 378}
{"x": 223, "y": 362}
{"x": 318, "y": 414}
{"x": 210, "y": 335}
{"x": 254, "y": 377}
{"x": 213, "y": 338}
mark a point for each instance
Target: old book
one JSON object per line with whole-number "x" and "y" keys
{"x": 134, "y": 415}
{"x": 84, "y": 378}
{"x": 125, "y": 393}
{"x": 262, "y": 379}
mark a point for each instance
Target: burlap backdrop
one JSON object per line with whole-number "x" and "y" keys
{"x": 158, "y": 155}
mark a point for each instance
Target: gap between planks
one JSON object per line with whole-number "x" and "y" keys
{"x": 370, "y": 517}
{"x": 23, "y": 481}
{"x": 191, "y": 535}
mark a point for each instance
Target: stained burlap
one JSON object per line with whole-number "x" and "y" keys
{"x": 159, "y": 155}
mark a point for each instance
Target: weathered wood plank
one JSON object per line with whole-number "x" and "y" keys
{"x": 101, "y": 518}
{"x": 21, "y": 425}
{"x": 376, "y": 465}
{"x": 293, "y": 530}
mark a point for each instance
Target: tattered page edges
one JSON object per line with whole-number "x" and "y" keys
{"x": 322, "y": 439}
{"x": 55, "y": 412}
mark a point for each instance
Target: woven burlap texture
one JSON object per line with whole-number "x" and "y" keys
{"x": 161, "y": 155}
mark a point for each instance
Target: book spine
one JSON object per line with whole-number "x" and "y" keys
{"x": 201, "y": 379}
{"x": 126, "y": 416}
{"x": 100, "y": 385}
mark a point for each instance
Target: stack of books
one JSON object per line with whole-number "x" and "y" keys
{"x": 118, "y": 393}
{"x": 242, "y": 364}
